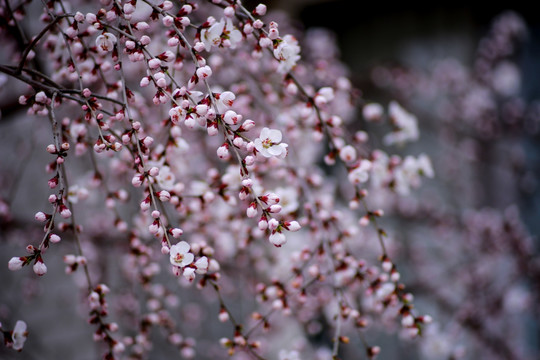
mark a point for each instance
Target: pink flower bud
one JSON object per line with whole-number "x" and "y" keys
{"x": 258, "y": 24}
{"x": 250, "y": 160}
{"x": 407, "y": 320}
{"x": 273, "y": 34}
{"x": 247, "y": 125}
{"x": 223, "y": 315}
{"x": 273, "y": 224}
{"x": 129, "y": 8}
{"x": 79, "y": 17}
{"x": 263, "y": 224}
{"x": 154, "y": 171}
{"x": 177, "y": 232}
{"x": 260, "y": 10}
{"x": 189, "y": 273}
{"x": 137, "y": 180}
{"x": 16, "y": 263}
{"x": 228, "y": 11}
{"x": 145, "y": 205}
{"x": 364, "y": 221}
{"x": 277, "y": 239}
{"x": 231, "y": 117}
{"x": 154, "y": 63}
{"x": 41, "y": 97}
{"x": 293, "y": 226}
{"x": 91, "y": 18}
{"x": 173, "y": 42}
{"x": 145, "y": 81}
{"x": 265, "y": 42}
{"x": 248, "y": 29}
{"x": 154, "y": 227}
{"x": 39, "y": 267}
{"x": 251, "y": 210}
{"x": 168, "y": 5}
{"x": 204, "y": 72}
{"x": 51, "y": 149}
{"x": 201, "y": 109}
{"x": 347, "y": 154}
{"x": 54, "y": 238}
{"x": 145, "y": 40}
{"x": 199, "y": 46}
{"x": 164, "y": 195}
{"x": 65, "y": 212}
{"x": 168, "y": 20}
{"x": 41, "y": 216}
{"x": 274, "y": 209}
{"x": 223, "y": 152}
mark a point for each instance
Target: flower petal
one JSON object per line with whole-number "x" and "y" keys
{"x": 275, "y": 150}
{"x": 265, "y": 133}
{"x": 258, "y": 144}
{"x": 274, "y": 135}
{"x": 183, "y": 247}
{"x": 188, "y": 259}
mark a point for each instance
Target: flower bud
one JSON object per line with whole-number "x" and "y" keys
{"x": 16, "y": 263}
{"x": 39, "y": 267}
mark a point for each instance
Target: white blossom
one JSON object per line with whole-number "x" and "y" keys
{"x": 288, "y": 53}
{"x": 269, "y": 143}
{"x": 360, "y": 174}
{"x": 405, "y": 123}
{"x": 212, "y": 36}
{"x": 180, "y": 255}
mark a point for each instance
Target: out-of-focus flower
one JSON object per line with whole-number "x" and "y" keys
{"x": 405, "y": 123}
{"x": 19, "y": 335}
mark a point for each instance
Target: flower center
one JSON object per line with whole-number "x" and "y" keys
{"x": 178, "y": 258}
{"x": 267, "y": 143}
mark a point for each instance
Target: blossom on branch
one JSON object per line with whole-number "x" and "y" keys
{"x": 269, "y": 143}
{"x": 180, "y": 255}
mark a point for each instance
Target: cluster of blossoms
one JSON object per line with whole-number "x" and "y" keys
{"x": 481, "y": 249}
{"x": 200, "y": 138}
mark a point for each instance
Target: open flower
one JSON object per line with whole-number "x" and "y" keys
{"x": 405, "y": 123}
{"x": 268, "y": 143}
{"x": 232, "y": 33}
{"x": 212, "y": 36}
{"x": 288, "y": 53}
{"x": 180, "y": 255}
{"x": 105, "y": 42}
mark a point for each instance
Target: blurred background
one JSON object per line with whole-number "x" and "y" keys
{"x": 476, "y": 99}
